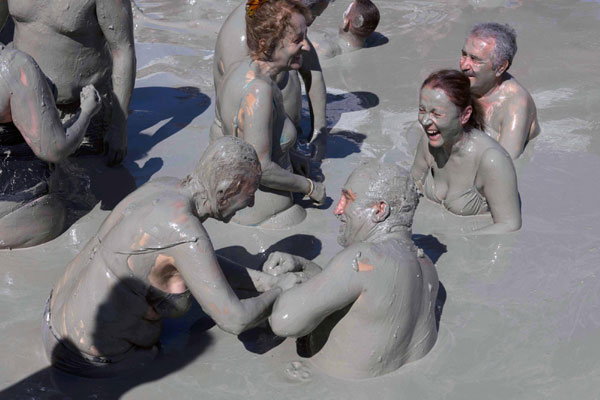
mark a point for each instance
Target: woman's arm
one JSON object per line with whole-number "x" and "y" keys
{"x": 498, "y": 180}
{"x": 255, "y": 124}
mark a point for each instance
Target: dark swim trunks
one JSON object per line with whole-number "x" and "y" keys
{"x": 63, "y": 354}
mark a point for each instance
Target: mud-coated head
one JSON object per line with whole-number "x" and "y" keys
{"x": 227, "y": 176}
{"x": 361, "y": 18}
{"x": 377, "y": 198}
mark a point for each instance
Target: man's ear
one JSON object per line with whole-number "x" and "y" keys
{"x": 382, "y": 211}
{"x": 502, "y": 68}
{"x": 262, "y": 46}
{"x": 358, "y": 21}
{"x": 221, "y": 192}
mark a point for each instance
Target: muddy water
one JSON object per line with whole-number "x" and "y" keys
{"x": 521, "y": 318}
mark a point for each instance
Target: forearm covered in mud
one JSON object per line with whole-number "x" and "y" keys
{"x": 275, "y": 177}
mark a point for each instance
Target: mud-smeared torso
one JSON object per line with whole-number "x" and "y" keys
{"x": 65, "y": 39}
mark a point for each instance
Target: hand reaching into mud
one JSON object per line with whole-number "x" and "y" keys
{"x": 318, "y": 195}
{"x": 90, "y": 100}
{"x": 280, "y": 263}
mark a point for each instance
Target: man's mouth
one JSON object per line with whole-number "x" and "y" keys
{"x": 469, "y": 74}
{"x": 297, "y": 59}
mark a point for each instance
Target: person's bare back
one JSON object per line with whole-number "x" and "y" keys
{"x": 372, "y": 308}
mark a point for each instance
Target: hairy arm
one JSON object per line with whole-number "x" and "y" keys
{"x": 314, "y": 83}
{"x": 116, "y": 21}
{"x": 255, "y": 123}
{"x": 497, "y": 175}
{"x": 197, "y": 263}
{"x": 516, "y": 125}
{"x": 302, "y": 308}
{"x": 35, "y": 116}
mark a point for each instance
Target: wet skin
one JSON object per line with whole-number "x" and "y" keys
{"x": 231, "y": 48}
{"x": 250, "y": 98}
{"x": 75, "y": 44}
{"x": 390, "y": 293}
{"x": 510, "y": 113}
{"x": 27, "y": 101}
{"x": 461, "y": 160}
{"x": 155, "y": 237}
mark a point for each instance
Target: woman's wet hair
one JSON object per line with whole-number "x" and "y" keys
{"x": 364, "y": 16}
{"x": 457, "y": 87}
{"x": 270, "y": 22}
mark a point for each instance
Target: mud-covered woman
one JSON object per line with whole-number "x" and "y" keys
{"x": 459, "y": 166}
{"x": 250, "y": 106}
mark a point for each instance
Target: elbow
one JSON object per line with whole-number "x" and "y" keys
{"x": 54, "y": 156}
{"x": 233, "y": 325}
{"x": 285, "y": 325}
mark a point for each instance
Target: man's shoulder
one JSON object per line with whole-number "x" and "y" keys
{"x": 512, "y": 89}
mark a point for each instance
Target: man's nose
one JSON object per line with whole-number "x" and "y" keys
{"x": 465, "y": 63}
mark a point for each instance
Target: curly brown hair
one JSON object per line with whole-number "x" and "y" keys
{"x": 270, "y": 22}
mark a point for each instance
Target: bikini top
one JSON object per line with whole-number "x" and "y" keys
{"x": 288, "y": 136}
{"x": 470, "y": 202}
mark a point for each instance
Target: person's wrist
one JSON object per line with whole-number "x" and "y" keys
{"x": 311, "y": 187}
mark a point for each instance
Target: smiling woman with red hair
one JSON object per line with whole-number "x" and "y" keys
{"x": 457, "y": 165}
{"x": 250, "y": 105}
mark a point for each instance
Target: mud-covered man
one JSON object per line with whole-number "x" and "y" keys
{"x": 379, "y": 289}
{"x": 358, "y": 23}
{"x": 510, "y": 113}
{"x": 148, "y": 259}
{"x": 78, "y": 43}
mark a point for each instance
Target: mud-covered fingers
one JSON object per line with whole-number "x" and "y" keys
{"x": 318, "y": 195}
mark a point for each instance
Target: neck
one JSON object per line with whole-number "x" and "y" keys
{"x": 388, "y": 230}
{"x": 267, "y": 68}
{"x": 491, "y": 89}
{"x": 442, "y": 154}
{"x": 349, "y": 41}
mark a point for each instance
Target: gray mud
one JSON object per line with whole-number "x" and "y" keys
{"x": 521, "y": 318}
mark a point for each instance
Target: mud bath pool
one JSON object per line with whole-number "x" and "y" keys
{"x": 521, "y": 318}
